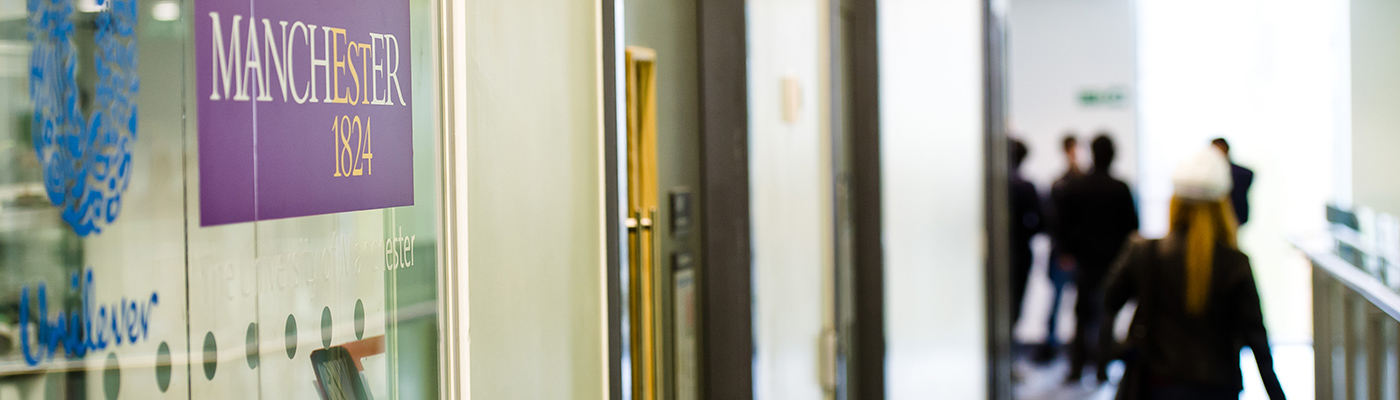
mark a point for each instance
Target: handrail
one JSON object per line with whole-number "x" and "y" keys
{"x": 1350, "y": 335}
{"x": 1318, "y": 249}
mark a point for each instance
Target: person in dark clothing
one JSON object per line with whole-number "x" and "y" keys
{"x": 1060, "y": 268}
{"x": 1026, "y": 221}
{"x": 1097, "y": 216}
{"x": 1197, "y": 300}
{"x": 1241, "y": 179}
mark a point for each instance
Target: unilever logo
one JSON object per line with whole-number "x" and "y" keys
{"x": 86, "y": 159}
{"x": 91, "y": 327}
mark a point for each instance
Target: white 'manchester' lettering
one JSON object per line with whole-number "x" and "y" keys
{"x": 377, "y": 68}
{"x": 239, "y": 62}
{"x": 225, "y": 64}
{"x": 275, "y": 58}
{"x": 254, "y": 63}
{"x": 392, "y": 73}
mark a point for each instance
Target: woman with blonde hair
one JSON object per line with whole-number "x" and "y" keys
{"x": 1197, "y": 300}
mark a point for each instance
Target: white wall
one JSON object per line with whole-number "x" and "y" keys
{"x": 790, "y": 183}
{"x": 1263, "y": 75}
{"x": 1375, "y": 96}
{"x": 932, "y": 162}
{"x": 1055, "y": 50}
{"x": 533, "y": 168}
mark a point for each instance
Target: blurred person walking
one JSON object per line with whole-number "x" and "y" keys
{"x": 1197, "y": 299}
{"x": 1060, "y": 268}
{"x": 1027, "y": 221}
{"x": 1241, "y": 179}
{"x": 1097, "y": 215}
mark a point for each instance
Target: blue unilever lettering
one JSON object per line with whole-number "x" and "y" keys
{"x": 86, "y": 160}
{"x": 93, "y": 327}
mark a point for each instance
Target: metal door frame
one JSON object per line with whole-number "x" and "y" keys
{"x": 454, "y": 381}
{"x": 865, "y": 377}
{"x": 725, "y": 291}
{"x": 998, "y": 213}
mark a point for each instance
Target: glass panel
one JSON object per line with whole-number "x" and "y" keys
{"x": 110, "y": 286}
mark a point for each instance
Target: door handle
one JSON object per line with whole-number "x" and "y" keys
{"x": 637, "y": 221}
{"x": 641, "y": 230}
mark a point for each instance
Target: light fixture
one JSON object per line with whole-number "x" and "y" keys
{"x": 91, "y": 6}
{"x": 166, "y": 11}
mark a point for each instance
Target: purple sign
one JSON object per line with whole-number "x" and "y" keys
{"x": 305, "y": 108}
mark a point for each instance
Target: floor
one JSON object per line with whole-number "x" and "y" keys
{"x": 1293, "y": 363}
{"x": 1047, "y": 382}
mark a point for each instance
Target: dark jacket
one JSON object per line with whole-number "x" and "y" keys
{"x": 1058, "y": 194}
{"x": 1027, "y": 220}
{"x": 1178, "y": 348}
{"x": 1242, "y": 178}
{"x": 1096, "y": 218}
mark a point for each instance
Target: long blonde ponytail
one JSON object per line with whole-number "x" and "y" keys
{"x": 1203, "y": 225}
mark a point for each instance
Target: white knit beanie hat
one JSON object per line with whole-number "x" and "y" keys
{"x": 1204, "y": 176}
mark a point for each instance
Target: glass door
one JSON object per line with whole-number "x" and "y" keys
{"x": 220, "y": 199}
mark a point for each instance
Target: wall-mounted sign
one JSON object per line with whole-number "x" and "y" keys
{"x": 685, "y": 325}
{"x": 304, "y": 107}
{"x": 682, "y": 215}
{"x": 1110, "y": 97}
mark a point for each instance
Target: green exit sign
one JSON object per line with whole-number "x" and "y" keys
{"x": 1110, "y": 97}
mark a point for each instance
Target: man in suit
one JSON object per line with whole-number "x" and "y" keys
{"x": 1097, "y": 216}
{"x": 1243, "y": 178}
{"x": 1061, "y": 265}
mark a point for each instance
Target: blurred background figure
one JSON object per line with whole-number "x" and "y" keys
{"x": 1027, "y": 221}
{"x": 1060, "y": 270}
{"x": 1098, "y": 215}
{"x": 1242, "y": 178}
{"x": 1197, "y": 300}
